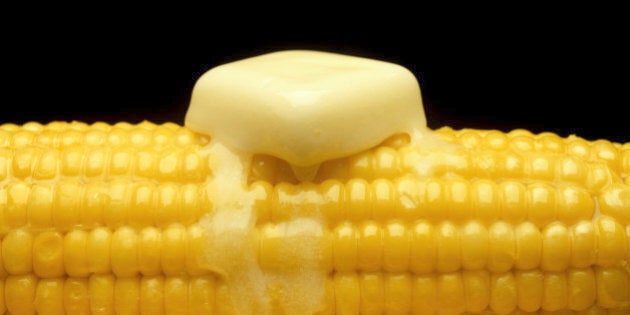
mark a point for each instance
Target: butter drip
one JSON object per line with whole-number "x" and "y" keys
{"x": 292, "y": 283}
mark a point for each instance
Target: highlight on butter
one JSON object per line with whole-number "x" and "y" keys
{"x": 307, "y": 183}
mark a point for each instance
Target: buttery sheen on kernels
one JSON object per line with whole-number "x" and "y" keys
{"x": 160, "y": 219}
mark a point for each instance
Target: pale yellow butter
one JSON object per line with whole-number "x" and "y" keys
{"x": 305, "y": 107}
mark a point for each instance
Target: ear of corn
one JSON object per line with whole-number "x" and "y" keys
{"x": 109, "y": 219}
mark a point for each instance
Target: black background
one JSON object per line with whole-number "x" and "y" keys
{"x": 559, "y": 72}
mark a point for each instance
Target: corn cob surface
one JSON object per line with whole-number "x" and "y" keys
{"x": 157, "y": 219}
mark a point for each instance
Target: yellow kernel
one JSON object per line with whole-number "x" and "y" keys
{"x": 16, "y": 203}
{"x": 556, "y": 250}
{"x": 458, "y": 204}
{"x": 581, "y": 289}
{"x": 358, "y": 199}
{"x": 146, "y": 163}
{"x": 74, "y": 253}
{"x": 372, "y": 295}
{"x": 76, "y": 297}
{"x": 361, "y": 165}
{"x": 345, "y": 247}
{"x": 46, "y": 165}
{"x": 173, "y": 254}
{"x": 22, "y": 138}
{"x": 117, "y": 137}
{"x": 540, "y": 167}
{"x": 487, "y": 164}
{"x": 503, "y": 293}
{"x": 282, "y": 198}
{"x": 450, "y": 293}
{"x": 17, "y": 252}
{"x": 550, "y": 142}
{"x": 615, "y": 202}
{"x": 448, "y": 244}
{"x": 49, "y": 297}
{"x": 139, "y": 137}
{"x": 66, "y": 210}
{"x": 495, "y": 140}
{"x": 98, "y": 250}
{"x": 94, "y": 200}
{"x": 95, "y": 137}
{"x": 598, "y": 176}
{"x": 33, "y": 126}
{"x": 261, "y": 192}
{"x": 69, "y": 138}
{"x": 477, "y": 290}
{"x": 485, "y": 200}
{"x": 541, "y": 203}
{"x": 141, "y": 207}
{"x": 578, "y": 147}
{"x": 396, "y": 247}
{"x": 605, "y": 151}
{"x": 194, "y": 166}
{"x": 149, "y": 251}
{"x": 168, "y": 165}
{"x": 167, "y": 207}
{"x": 408, "y": 199}
{"x": 385, "y": 163}
{"x": 501, "y": 249}
{"x": 529, "y": 285}
{"x": 423, "y": 248}
{"x": 120, "y": 162}
{"x": 574, "y": 204}
{"x": 528, "y": 246}
{"x": 524, "y": 143}
{"x": 424, "y": 294}
{"x": 370, "y": 253}
{"x": 397, "y": 293}
{"x": 152, "y": 295}
{"x": 127, "y": 296}
{"x": 435, "y": 199}
{"x": 612, "y": 287}
{"x": 72, "y": 161}
{"x": 612, "y": 242}
{"x": 196, "y": 243}
{"x": 201, "y": 296}
{"x": 383, "y": 196}
{"x": 571, "y": 169}
{"x": 163, "y": 135}
{"x": 513, "y": 201}
{"x": 514, "y": 166}
{"x": 469, "y": 138}
{"x": 48, "y": 256}
{"x": 474, "y": 246}
{"x": 124, "y": 251}
{"x": 555, "y": 291}
{"x": 39, "y": 207}
{"x": 101, "y": 288}
{"x": 5, "y": 162}
{"x": 95, "y": 161}
{"x": 19, "y": 294}
{"x": 583, "y": 244}
{"x": 347, "y": 293}
{"x": 333, "y": 196}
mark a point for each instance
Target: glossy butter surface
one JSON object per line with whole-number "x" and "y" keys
{"x": 305, "y": 107}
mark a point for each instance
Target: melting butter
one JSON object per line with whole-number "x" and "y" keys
{"x": 295, "y": 284}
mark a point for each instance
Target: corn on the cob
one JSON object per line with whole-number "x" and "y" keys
{"x": 158, "y": 219}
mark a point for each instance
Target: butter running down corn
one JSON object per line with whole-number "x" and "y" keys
{"x": 307, "y": 183}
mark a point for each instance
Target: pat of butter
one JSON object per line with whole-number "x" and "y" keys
{"x": 305, "y": 107}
